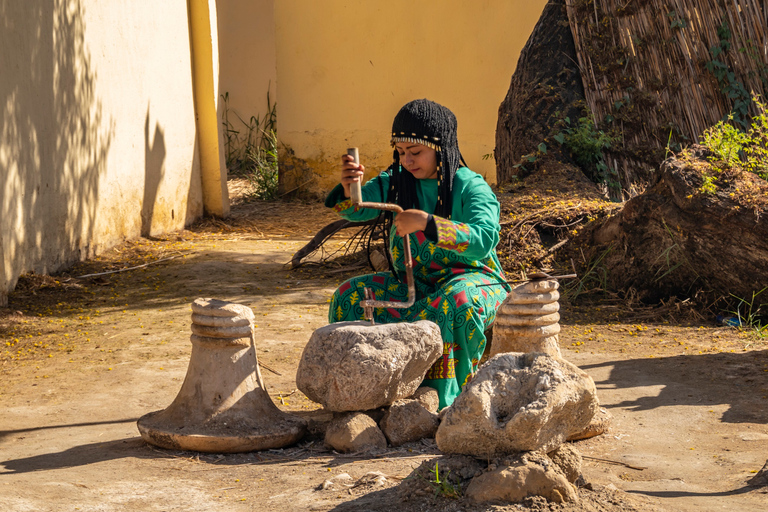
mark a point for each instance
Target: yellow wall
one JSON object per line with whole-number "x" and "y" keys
{"x": 98, "y": 138}
{"x": 345, "y": 68}
{"x": 247, "y": 56}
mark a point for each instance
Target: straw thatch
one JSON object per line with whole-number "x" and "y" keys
{"x": 643, "y": 65}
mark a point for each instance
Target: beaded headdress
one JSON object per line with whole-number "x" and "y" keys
{"x": 430, "y": 124}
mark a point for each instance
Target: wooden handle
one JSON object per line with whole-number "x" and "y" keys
{"x": 355, "y": 192}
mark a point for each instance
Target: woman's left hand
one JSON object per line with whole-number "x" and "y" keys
{"x": 410, "y": 221}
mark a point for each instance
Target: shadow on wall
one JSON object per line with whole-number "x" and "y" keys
{"x": 154, "y": 158}
{"x": 53, "y": 140}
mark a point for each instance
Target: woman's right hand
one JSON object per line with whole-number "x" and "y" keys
{"x": 350, "y": 173}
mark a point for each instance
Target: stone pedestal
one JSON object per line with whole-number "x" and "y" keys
{"x": 528, "y": 319}
{"x": 223, "y": 405}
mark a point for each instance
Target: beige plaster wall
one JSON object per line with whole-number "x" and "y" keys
{"x": 98, "y": 141}
{"x": 345, "y": 68}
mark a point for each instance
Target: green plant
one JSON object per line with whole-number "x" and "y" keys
{"x": 675, "y": 20}
{"x": 587, "y": 145}
{"x": 730, "y": 86}
{"x": 531, "y": 158}
{"x": 748, "y": 314}
{"x": 443, "y": 487}
{"x": 756, "y": 149}
{"x": 725, "y": 141}
{"x": 263, "y": 162}
{"x": 251, "y": 151}
{"x": 672, "y": 147}
{"x": 737, "y": 148}
{"x": 708, "y": 185}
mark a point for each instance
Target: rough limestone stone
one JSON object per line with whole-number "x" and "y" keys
{"x": 408, "y": 420}
{"x": 518, "y": 402}
{"x": 355, "y": 432}
{"x": 599, "y": 425}
{"x": 355, "y": 366}
{"x": 530, "y": 475}
{"x": 569, "y": 460}
{"x": 428, "y": 398}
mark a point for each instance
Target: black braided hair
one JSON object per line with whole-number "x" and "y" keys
{"x": 433, "y": 125}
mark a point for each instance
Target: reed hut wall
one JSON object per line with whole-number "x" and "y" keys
{"x": 644, "y": 68}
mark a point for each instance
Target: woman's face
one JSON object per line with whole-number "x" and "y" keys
{"x": 421, "y": 161}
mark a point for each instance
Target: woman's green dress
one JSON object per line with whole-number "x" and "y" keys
{"x": 448, "y": 274}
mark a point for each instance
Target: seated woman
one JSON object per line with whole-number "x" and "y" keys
{"x": 452, "y": 218}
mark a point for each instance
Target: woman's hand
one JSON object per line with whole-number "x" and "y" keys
{"x": 411, "y": 221}
{"x": 350, "y": 172}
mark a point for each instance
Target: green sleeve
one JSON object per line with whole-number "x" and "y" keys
{"x": 474, "y": 230}
{"x": 374, "y": 191}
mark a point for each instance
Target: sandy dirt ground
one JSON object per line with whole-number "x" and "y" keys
{"x": 81, "y": 359}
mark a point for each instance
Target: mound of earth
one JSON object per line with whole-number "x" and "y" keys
{"x": 697, "y": 229}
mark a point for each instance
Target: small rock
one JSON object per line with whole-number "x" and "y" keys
{"x": 408, "y": 420}
{"x": 753, "y": 436}
{"x": 355, "y": 366}
{"x": 379, "y": 261}
{"x": 375, "y": 478}
{"x": 569, "y": 460}
{"x": 599, "y": 425}
{"x": 530, "y": 475}
{"x": 355, "y": 432}
{"x": 547, "y": 400}
{"x": 428, "y": 398}
{"x": 340, "y": 480}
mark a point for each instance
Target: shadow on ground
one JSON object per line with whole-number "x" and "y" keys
{"x": 739, "y": 380}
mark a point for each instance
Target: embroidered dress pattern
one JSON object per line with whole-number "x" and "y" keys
{"x": 450, "y": 296}
{"x": 448, "y": 235}
{"x": 344, "y": 205}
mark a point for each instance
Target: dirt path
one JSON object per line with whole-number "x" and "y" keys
{"x": 83, "y": 359}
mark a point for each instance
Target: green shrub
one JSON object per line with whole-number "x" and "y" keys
{"x": 251, "y": 151}
{"x": 586, "y": 144}
{"x": 738, "y": 148}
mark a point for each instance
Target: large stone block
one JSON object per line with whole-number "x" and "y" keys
{"x": 518, "y": 402}
{"x": 355, "y": 366}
